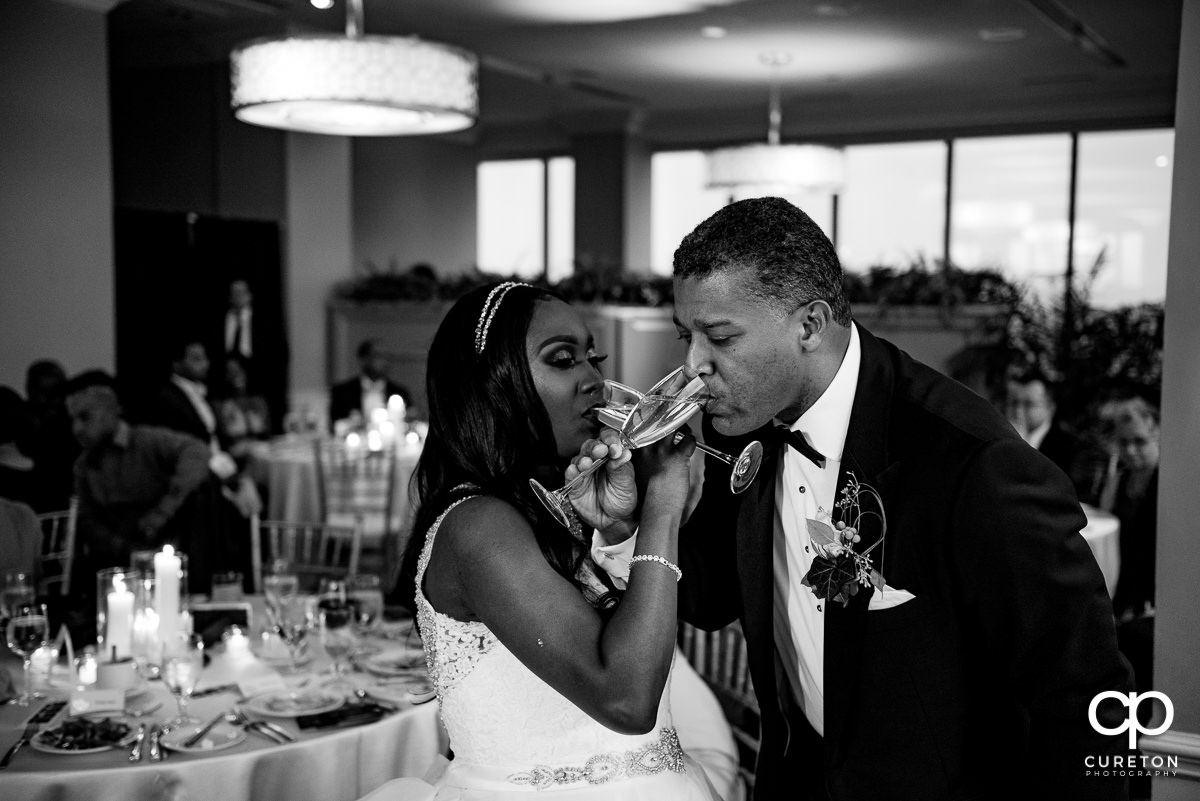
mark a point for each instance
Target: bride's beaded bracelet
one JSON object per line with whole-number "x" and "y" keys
{"x": 649, "y": 557}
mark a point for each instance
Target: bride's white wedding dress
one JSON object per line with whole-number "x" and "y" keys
{"x": 513, "y": 736}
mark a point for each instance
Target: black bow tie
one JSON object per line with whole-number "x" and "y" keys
{"x": 797, "y": 441}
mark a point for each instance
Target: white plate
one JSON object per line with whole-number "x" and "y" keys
{"x": 294, "y": 703}
{"x": 220, "y": 737}
{"x": 395, "y": 662}
{"x": 285, "y": 662}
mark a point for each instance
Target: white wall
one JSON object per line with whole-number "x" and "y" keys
{"x": 56, "y": 247}
{"x": 414, "y": 201}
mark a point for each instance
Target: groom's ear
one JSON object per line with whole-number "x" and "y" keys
{"x": 811, "y": 323}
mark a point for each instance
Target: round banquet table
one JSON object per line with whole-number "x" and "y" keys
{"x": 323, "y": 765}
{"x": 289, "y": 470}
{"x": 1102, "y": 534}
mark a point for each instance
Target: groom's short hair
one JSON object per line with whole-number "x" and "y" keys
{"x": 792, "y": 259}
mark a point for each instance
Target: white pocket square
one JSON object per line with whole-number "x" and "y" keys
{"x": 888, "y": 598}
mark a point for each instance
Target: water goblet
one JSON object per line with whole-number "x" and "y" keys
{"x": 337, "y": 637}
{"x": 642, "y": 420}
{"x": 28, "y": 630}
{"x": 182, "y": 661}
{"x": 288, "y": 612}
{"x": 366, "y": 596}
{"x": 18, "y": 589}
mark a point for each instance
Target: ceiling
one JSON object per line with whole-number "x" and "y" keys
{"x": 860, "y": 70}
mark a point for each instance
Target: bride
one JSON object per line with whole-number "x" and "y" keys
{"x": 549, "y": 679}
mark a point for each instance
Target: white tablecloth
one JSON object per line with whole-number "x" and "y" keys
{"x": 1103, "y": 534}
{"x": 329, "y": 765}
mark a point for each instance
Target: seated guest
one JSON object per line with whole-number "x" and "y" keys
{"x": 242, "y": 418}
{"x": 49, "y": 441}
{"x": 1135, "y": 436}
{"x": 131, "y": 481}
{"x": 367, "y": 391}
{"x": 1030, "y": 407}
{"x": 16, "y": 469}
{"x": 182, "y": 404}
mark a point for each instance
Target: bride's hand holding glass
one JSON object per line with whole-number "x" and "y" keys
{"x": 610, "y": 497}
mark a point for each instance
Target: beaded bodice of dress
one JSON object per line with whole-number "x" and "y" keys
{"x": 497, "y": 711}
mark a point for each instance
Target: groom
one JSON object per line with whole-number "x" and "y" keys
{"x": 963, "y": 665}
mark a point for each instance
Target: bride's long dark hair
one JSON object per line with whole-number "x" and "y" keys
{"x": 488, "y": 429}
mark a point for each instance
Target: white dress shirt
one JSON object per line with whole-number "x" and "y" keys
{"x": 238, "y": 338}
{"x": 373, "y": 395}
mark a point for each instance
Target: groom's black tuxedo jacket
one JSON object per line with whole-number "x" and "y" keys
{"x": 979, "y": 687}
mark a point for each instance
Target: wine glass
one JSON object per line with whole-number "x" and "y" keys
{"x": 288, "y": 612}
{"x": 28, "y": 630}
{"x": 642, "y": 420}
{"x": 182, "y": 661}
{"x": 18, "y": 589}
{"x": 337, "y": 636}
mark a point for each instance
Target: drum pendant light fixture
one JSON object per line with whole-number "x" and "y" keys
{"x": 354, "y": 85}
{"x": 774, "y": 166}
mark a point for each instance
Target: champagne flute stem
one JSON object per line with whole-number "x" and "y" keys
{"x": 724, "y": 457}
{"x": 27, "y": 670}
{"x": 592, "y": 468}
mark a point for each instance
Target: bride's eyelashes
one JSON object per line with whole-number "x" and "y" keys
{"x": 565, "y": 359}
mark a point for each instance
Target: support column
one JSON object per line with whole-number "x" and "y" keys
{"x": 319, "y": 248}
{"x": 612, "y": 195}
{"x": 1177, "y": 621}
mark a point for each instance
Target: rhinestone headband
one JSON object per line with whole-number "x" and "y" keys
{"x": 490, "y": 306}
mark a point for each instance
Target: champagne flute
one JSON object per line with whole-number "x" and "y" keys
{"x": 643, "y": 420}
{"x": 28, "y": 630}
{"x": 337, "y": 637}
{"x": 182, "y": 661}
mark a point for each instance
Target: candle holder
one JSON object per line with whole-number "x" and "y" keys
{"x": 116, "y": 592}
{"x": 160, "y": 607}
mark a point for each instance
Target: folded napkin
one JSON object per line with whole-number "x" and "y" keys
{"x": 344, "y": 717}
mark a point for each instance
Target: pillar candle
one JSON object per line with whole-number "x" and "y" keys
{"x": 167, "y": 567}
{"x": 119, "y": 620}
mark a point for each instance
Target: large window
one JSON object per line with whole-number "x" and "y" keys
{"x": 1010, "y": 203}
{"x": 525, "y": 217}
{"x": 892, "y": 210}
{"x": 1123, "y": 209}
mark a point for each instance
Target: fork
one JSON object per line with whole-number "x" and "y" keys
{"x": 30, "y": 730}
{"x": 260, "y": 727}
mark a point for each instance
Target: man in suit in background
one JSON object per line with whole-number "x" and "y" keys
{"x": 252, "y": 334}
{"x": 182, "y": 405}
{"x": 1031, "y": 408}
{"x": 966, "y": 667}
{"x": 369, "y": 390}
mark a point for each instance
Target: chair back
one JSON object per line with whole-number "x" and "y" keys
{"x": 313, "y": 550}
{"x": 720, "y": 659}
{"x": 356, "y": 487}
{"x": 56, "y": 554}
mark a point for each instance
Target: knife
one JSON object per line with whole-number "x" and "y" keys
{"x": 205, "y": 729}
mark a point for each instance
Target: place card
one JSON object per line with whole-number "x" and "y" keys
{"x": 264, "y": 683}
{"x": 89, "y": 702}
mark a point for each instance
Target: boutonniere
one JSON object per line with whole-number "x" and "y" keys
{"x": 838, "y": 570}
